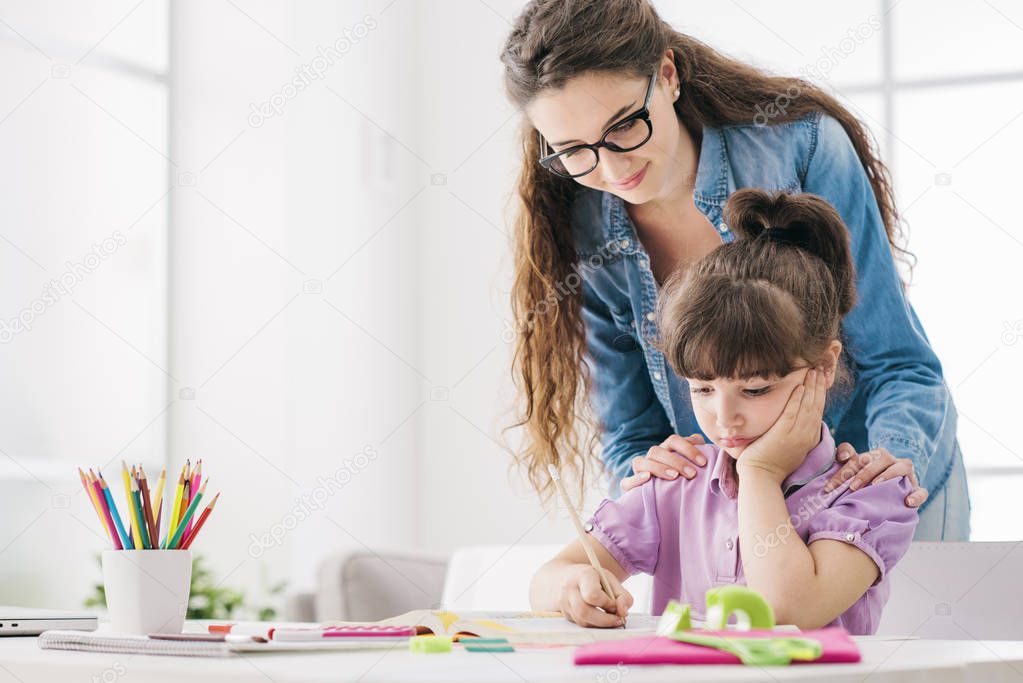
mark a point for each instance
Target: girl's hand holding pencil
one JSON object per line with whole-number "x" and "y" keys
{"x": 590, "y": 586}
{"x": 584, "y": 600}
{"x": 140, "y": 528}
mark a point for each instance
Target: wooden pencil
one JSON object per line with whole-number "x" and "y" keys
{"x": 147, "y": 506}
{"x": 583, "y": 536}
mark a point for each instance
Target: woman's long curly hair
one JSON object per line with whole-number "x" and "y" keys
{"x": 552, "y": 42}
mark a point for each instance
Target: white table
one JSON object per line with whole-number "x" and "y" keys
{"x": 934, "y": 661}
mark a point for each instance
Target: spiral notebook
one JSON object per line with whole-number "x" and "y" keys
{"x": 105, "y": 641}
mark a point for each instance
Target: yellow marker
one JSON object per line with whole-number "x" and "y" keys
{"x": 132, "y": 516}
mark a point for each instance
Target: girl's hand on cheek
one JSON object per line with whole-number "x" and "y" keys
{"x": 796, "y": 431}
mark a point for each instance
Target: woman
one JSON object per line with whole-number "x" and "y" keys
{"x": 635, "y": 136}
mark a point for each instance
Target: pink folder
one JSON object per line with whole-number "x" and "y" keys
{"x": 835, "y": 643}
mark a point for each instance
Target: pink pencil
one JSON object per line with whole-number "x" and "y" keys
{"x": 196, "y": 480}
{"x": 106, "y": 512}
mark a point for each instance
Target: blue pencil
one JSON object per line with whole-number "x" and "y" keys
{"x": 125, "y": 538}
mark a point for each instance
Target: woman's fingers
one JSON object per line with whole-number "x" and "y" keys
{"x": 917, "y": 497}
{"x": 852, "y": 466}
{"x": 686, "y": 447}
{"x": 870, "y": 472}
{"x": 844, "y": 451}
{"x": 653, "y": 463}
{"x": 899, "y": 467}
{"x": 634, "y": 480}
{"x": 663, "y": 464}
{"x": 903, "y": 467}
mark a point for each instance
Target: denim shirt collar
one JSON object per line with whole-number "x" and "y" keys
{"x": 714, "y": 179}
{"x": 714, "y": 183}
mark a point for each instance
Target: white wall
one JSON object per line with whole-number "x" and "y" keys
{"x": 292, "y": 306}
{"x": 385, "y": 181}
{"x": 83, "y": 136}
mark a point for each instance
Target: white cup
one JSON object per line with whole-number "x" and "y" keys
{"x": 147, "y": 590}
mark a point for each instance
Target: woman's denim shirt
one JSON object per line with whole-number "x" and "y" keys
{"x": 899, "y": 401}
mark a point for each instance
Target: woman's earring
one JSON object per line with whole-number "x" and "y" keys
{"x": 678, "y": 91}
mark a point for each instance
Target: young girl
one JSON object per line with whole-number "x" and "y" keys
{"x": 754, "y": 328}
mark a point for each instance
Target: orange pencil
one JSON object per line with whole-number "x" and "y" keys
{"x": 198, "y": 525}
{"x": 92, "y": 496}
{"x": 186, "y": 500}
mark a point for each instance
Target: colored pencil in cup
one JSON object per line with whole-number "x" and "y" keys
{"x": 108, "y": 519}
{"x": 186, "y": 492}
{"x": 126, "y": 541}
{"x": 94, "y": 496}
{"x": 87, "y": 485}
{"x": 583, "y": 537}
{"x": 147, "y": 506}
{"x": 158, "y": 501}
{"x": 173, "y": 521}
{"x": 136, "y": 497}
{"x": 196, "y": 479}
{"x": 198, "y": 525}
{"x": 133, "y": 520}
{"x": 176, "y": 538}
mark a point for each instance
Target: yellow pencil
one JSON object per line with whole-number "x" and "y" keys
{"x": 136, "y": 534}
{"x": 177, "y": 505}
{"x": 158, "y": 503}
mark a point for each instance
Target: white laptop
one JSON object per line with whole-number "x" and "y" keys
{"x": 29, "y": 621}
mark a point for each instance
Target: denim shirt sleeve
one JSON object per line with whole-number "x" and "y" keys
{"x": 907, "y": 399}
{"x": 621, "y": 394}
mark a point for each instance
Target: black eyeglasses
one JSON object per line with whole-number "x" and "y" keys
{"x": 628, "y": 134}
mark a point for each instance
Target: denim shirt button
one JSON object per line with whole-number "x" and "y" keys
{"x": 657, "y": 376}
{"x": 625, "y": 244}
{"x": 722, "y": 227}
{"x": 650, "y": 317}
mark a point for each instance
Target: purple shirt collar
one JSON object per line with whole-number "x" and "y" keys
{"x": 724, "y": 481}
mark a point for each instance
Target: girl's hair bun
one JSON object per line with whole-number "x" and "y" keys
{"x": 803, "y": 221}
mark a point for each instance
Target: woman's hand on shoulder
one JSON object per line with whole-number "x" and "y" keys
{"x": 873, "y": 467}
{"x": 675, "y": 456}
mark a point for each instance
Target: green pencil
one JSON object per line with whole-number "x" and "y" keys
{"x": 136, "y": 499}
{"x": 173, "y": 542}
